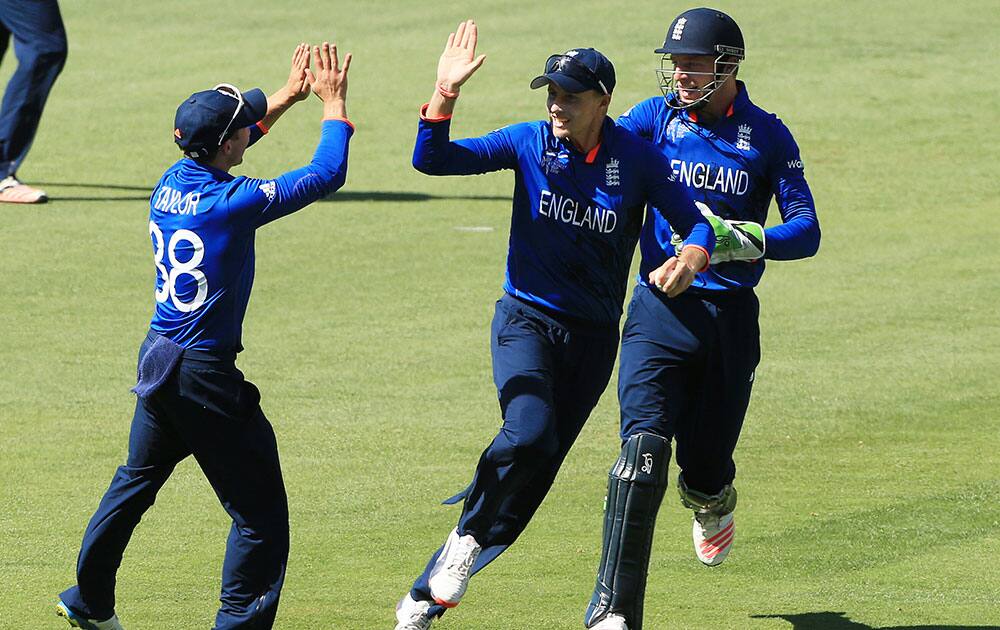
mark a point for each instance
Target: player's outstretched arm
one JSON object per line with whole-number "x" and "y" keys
{"x": 262, "y": 201}
{"x": 295, "y": 89}
{"x": 457, "y": 64}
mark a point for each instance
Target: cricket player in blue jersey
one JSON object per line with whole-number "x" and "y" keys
{"x": 581, "y": 184}
{"x": 688, "y": 362}
{"x": 192, "y": 398}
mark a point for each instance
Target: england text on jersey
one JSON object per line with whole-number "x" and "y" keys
{"x": 569, "y": 210}
{"x": 699, "y": 175}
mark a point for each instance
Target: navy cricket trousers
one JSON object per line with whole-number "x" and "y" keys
{"x": 40, "y": 47}
{"x": 686, "y": 372}
{"x": 549, "y": 372}
{"x": 206, "y": 409}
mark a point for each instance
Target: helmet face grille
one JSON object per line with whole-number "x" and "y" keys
{"x": 725, "y": 67}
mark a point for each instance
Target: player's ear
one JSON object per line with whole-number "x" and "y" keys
{"x": 227, "y": 146}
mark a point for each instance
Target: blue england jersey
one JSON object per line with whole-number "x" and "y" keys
{"x": 202, "y": 223}
{"x": 735, "y": 166}
{"x": 576, "y": 217}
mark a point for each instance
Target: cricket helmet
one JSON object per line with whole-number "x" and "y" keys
{"x": 705, "y": 32}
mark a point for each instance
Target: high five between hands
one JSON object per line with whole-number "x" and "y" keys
{"x": 326, "y": 79}
{"x": 458, "y": 62}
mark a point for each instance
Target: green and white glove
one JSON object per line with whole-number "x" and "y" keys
{"x": 734, "y": 240}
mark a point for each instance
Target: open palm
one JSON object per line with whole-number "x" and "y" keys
{"x": 458, "y": 61}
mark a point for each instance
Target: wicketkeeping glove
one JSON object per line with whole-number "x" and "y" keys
{"x": 734, "y": 240}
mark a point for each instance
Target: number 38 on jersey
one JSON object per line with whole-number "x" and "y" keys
{"x": 172, "y": 280}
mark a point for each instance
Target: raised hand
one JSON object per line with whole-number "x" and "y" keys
{"x": 297, "y": 86}
{"x": 328, "y": 80}
{"x": 458, "y": 62}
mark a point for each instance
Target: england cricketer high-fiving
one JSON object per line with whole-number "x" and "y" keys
{"x": 192, "y": 398}
{"x": 581, "y": 184}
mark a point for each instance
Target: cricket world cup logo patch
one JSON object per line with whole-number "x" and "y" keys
{"x": 611, "y": 174}
{"x": 743, "y": 138}
{"x": 553, "y": 162}
{"x": 647, "y": 466}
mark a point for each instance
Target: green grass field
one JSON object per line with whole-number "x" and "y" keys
{"x": 869, "y": 467}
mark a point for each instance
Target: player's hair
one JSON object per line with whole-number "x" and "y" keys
{"x": 210, "y": 153}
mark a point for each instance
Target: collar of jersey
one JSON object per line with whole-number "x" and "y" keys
{"x": 738, "y": 104}
{"x": 607, "y": 127}
{"x": 193, "y": 165}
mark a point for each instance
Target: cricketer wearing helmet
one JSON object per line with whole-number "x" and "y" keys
{"x": 192, "y": 398}
{"x": 687, "y": 363}
{"x": 581, "y": 185}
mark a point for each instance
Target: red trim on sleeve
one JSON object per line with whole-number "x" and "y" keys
{"x": 349, "y": 123}
{"x": 263, "y": 128}
{"x": 423, "y": 115}
{"x": 592, "y": 154}
{"x": 708, "y": 258}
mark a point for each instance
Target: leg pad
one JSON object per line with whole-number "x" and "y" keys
{"x": 636, "y": 485}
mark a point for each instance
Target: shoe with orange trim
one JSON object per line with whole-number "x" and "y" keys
{"x": 713, "y": 536}
{"x": 450, "y": 575}
{"x": 13, "y": 191}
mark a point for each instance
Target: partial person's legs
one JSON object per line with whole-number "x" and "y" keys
{"x": 660, "y": 362}
{"x": 544, "y": 371}
{"x": 706, "y": 440}
{"x": 154, "y": 450}
{"x": 40, "y": 46}
{"x": 236, "y": 449}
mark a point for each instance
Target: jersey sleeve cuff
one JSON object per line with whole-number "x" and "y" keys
{"x": 425, "y": 118}
{"x": 708, "y": 257}
{"x": 343, "y": 120}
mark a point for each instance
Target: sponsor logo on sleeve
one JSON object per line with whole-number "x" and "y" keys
{"x": 797, "y": 163}
{"x": 269, "y": 189}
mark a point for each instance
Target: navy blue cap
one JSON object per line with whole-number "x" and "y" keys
{"x": 578, "y": 70}
{"x": 703, "y": 31}
{"x": 204, "y": 119}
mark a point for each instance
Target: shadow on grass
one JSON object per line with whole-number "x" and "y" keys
{"x": 839, "y": 621}
{"x": 375, "y": 196}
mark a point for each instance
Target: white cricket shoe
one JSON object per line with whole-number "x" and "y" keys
{"x": 713, "y": 536}
{"x": 77, "y": 621}
{"x": 611, "y": 622}
{"x": 13, "y": 191}
{"x": 450, "y": 576}
{"x": 412, "y": 615}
